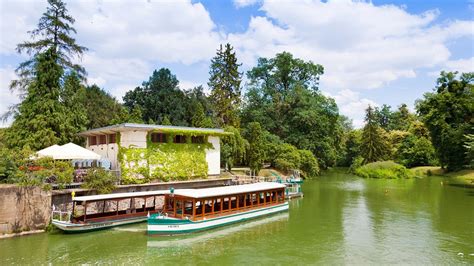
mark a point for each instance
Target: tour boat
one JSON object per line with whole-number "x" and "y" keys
{"x": 191, "y": 210}
{"x": 95, "y": 212}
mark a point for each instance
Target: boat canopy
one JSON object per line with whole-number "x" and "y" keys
{"x": 121, "y": 195}
{"x": 228, "y": 190}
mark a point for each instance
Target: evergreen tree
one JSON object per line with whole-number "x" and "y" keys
{"x": 374, "y": 145}
{"x": 102, "y": 109}
{"x": 41, "y": 119}
{"x": 52, "y": 34}
{"x": 256, "y": 153}
{"x": 224, "y": 83}
{"x": 76, "y": 114}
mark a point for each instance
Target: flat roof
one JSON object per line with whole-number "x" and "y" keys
{"x": 120, "y": 195}
{"x": 146, "y": 127}
{"x": 228, "y": 190}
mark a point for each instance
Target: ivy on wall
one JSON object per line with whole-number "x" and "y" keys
{"x": 164, "y": 161}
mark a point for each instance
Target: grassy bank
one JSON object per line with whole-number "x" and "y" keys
{"x": 464, "y": 177}
{"x": 385, "y": 170}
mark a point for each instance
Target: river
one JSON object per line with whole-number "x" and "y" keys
{"x": 342, "y": 219}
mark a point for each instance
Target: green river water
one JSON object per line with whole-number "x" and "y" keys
{"x": 342, "y": 219}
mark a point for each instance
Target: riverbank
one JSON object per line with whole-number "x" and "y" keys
{"x": 460, "y": 178}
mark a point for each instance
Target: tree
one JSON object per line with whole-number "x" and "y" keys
{"x": 416, "y": 151}
{"x": 256, "y": 153}
{"x": 401, "y": 119}
{"x": 160, "y": 97}
{"x": 76, "y": 114}
{"x": 283, "y": 97}
{"x": 224, "y": 83}
{"x": 448, "y": 113}
{"x": 383, "y": 116}
{"x": 374, "y": 144}
{"x": 309, "y": 164}
{"x": 102, "y": 109}
{"x": 233, "y": 148}
{"x": 469, "y": 145}
{"x": 52, "y": 34}
{"x": 352, "y": 146}
{"x": 40, "y": 121}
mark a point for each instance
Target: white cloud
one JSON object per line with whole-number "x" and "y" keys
{"x": 244, "y": 3}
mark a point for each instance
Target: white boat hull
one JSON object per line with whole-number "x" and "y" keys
{"x": 170, "y": 226}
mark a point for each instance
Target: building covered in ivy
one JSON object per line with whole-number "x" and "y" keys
{"x": 141, "y": 152}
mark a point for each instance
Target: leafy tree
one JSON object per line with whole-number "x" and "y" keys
{"x": 469, "y": 145}
{"x": 374, "y": 144}
{"x": 448, "y": 113}
{"x": 352, "y": 146}
{"x": 233, "y": 148}
{"x": 416, "y": 151}
{"x": 100, "y": 180}
{"x": 309, "y": 164}
{"x": 159, "y": 97}
{"x": 283, "y": 97}
{"x": 272, "y": 147}
{"x": 40, "y": 121}
{"x": 166, "y": 121}
{"x": 256, "y": 153}
{"x": 224, "y": 83}
{"x": 52, "y": 35}
{"x": 288, "y": 158}
{"x": 102, "y": 109}
{"x": 401, "y": 119}
{"x": 383, "y": 116}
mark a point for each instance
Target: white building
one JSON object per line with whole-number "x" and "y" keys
{"x": 156, "y": 149}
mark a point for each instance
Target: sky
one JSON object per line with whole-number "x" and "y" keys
{"x": 374, "y": 52}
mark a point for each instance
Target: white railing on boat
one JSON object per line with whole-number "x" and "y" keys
{"x": 59, "y": 215}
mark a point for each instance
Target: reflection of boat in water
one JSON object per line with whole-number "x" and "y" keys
{"x": 192, "y": 210}
{"x": 217, "y": 233}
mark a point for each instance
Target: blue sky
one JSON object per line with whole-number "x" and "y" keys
{"x": 373, "y": 52}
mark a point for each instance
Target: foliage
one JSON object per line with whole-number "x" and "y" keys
{"x": 159, "y": 97}
{"x": 283, "y": 97}
{"x": 352, "y": 144}
{"x": 41, "y": 118}
{"x": 52, "y": 35}
{"x": 416, "y": 151}
{"x": 233, "y": 148}
{"x": 256, "y": 153}
{"x": 375, "y": 146}
{"x": 469, "y": 145}
{"x": 448, "y": 113}
{"x": 102, "y": 109}
{"x": 224, "y": 83}
{"x": 99, "y": 179}
{"x": 76, "y": 117}
{"x": 272, "y": 147}
{"x": 384, "y": 169}
{"x": 164, "y": 161}
{"x": 288, "y": 158}
{"x": 309, "y": 163}
{"x": 17, "y": 166}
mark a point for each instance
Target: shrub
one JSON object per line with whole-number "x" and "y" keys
{"x": 309, "y": 164}
{"x": 288, "y": 158}
{"x": 99, "y": 179}
{"x": 384, "y": 169}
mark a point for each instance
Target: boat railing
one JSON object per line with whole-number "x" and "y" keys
{"x": 62, "y": 216}
{"x": 246, "y": 179}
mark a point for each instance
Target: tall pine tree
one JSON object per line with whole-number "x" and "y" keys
{"x": 374, "y": 144}
{"x": 40, "y": 121}
{"x": 224, "y": 83}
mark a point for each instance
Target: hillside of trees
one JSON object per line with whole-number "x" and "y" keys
{"x": 279, "y": 116}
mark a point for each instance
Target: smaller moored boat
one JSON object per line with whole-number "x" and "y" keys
{"x": 95, "y": 212}
{"x": 191, "y": 210}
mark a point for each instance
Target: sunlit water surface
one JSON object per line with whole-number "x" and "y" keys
{"x": 341, "y": 220}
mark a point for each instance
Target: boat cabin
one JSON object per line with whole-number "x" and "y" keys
{"x": 199, "y": 204}
{"x": 99, "y": 208}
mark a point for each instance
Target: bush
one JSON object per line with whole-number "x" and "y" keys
{"x": 99, "y": 179}
{"x": 384, "y": 169}
{"x": 288, "y": 158}
{"x": 309, "y": 164}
